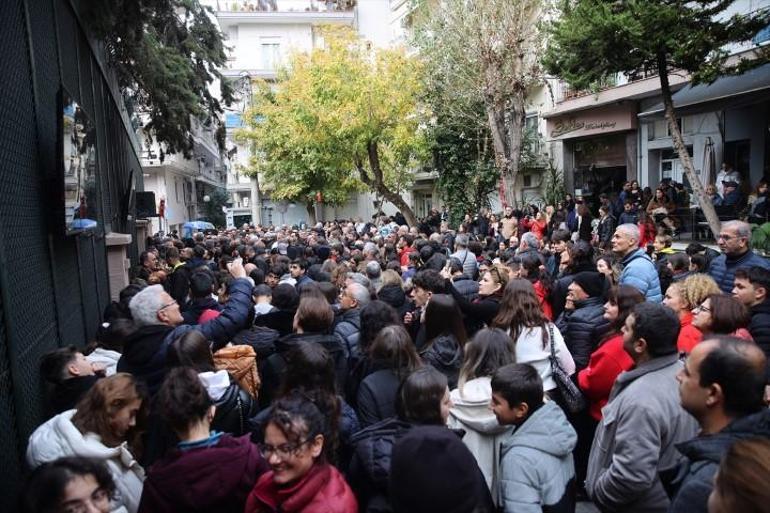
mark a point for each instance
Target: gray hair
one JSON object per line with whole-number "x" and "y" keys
{"x": 631, "y": 230}
{"x": 461, "y": 240}
{"x": 360, "y": 293}
{"x": 373, "y": 270}
{"x": 145, "y": 304}
{"x": 741, "y": 229}
{"x": 359, "y": 278}
{"x": 531, "y": 240}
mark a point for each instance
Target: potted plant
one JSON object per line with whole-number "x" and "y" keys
{"x": 760, "y": 238}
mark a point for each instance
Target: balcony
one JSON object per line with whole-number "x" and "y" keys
{"x": 286, "y": 6}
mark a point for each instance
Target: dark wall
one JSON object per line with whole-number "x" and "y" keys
{"x": 52, "y": 288}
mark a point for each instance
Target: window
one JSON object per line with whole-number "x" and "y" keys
{"x": 527, "y": 181}
{"x": 679, "y": 122}
{"x": 532, "y": 135}
{"x": 271, "y": 54}
{"x": 176, "y": 189}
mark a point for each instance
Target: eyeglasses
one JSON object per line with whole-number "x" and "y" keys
{"x": 98, "y": 500}
{"x": 167, "y": 305}
{"x": 701, "y": 308}
{"x": 283, "y": 451}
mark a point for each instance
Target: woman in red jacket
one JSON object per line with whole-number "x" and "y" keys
{"x": 682, "y": 297}
{"x": 609, "y": 359}
{"x": 301, "y": 480}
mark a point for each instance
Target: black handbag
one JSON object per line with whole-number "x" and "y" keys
{"x": 571, "y": 396}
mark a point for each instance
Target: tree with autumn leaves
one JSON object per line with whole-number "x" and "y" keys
{"x": 341, "y": 119}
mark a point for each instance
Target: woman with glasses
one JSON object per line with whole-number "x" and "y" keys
{"x": 69, "y": 485}
{"x": 480, "y": 312}
{"x": 683, "y": 297}
{"x": 106, "y": 426}
{"x": 207, "y": 470}
{"x": 300, "y": 479}
{"x": 722, "y": 314}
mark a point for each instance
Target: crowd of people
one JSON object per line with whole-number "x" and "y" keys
{"x": 520, "y": 362}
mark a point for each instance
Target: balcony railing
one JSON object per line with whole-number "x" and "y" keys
{"x": 566, "y": 92}
{"x": 286, "y": 5}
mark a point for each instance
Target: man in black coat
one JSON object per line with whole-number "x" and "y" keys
{"x": 751, "y": 287}
{"x": 582, "y": 323}
{"x": 722, "y": 386}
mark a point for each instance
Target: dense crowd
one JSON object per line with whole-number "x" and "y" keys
{"x": 520, "y": 362}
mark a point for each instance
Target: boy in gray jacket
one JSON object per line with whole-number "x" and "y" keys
{"x": 537, "y": 471}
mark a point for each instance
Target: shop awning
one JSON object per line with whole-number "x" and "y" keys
{"x": 729, "y": 91}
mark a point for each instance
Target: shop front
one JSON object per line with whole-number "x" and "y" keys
{"x": 599, "y": 148}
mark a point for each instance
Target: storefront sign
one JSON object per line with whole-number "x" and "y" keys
{"x": 592, "y": 122}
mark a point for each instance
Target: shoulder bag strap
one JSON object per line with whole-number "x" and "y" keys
{"x": 550, "y": 342}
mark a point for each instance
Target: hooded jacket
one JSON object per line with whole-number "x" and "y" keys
{"x": 597, "y": 379}
{"x": 58, "y": 437}
{"x": 538, "y": 472}
{"x": 483, "y": 434}
{"x": 640, "y": 273}
{"x": 445, "y": 355}
{"x": 65, "y": 395}
{"x": 582, "y": 328}
{"x": 723, "y": 268}
{"x": 395, "y": 296}
{"x": 635, "y": 444}
{"x": 193, "y": 310}
{"x": 144, "y": 352}
{"x": 217, "y": 478}
{"x": 321, "y": 490}
{"x": 369, "y": 469}
{"x": 695, "y": 478}
{"x": 275, "y": 366}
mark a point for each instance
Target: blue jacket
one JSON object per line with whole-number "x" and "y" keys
{"x": 144, "y": 353}
{"x": 640, "y": 273}
{"x": 722, "y": 269}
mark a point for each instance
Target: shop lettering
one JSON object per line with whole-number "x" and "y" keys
{"x": 565, "y": 127}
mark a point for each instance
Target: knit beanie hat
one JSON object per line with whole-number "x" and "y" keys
{"x": 593, "y": 283}
{"x": 432, "y": 471}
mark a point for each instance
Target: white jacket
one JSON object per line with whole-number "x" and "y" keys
{"x": 529, "y": 349}
{"x": 106, "y": 357}
{"x": 483, "y": 435}
{"x": 58, "y": 437}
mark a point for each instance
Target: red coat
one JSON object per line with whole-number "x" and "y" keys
{"x": 403, "y": 255}
{"x": 538, "y": 228}
{"x": 542, "y": 298}
{"x": 596, "y": 380}
{"x": 322, "y": 490}
{"x": 689, "y": 335}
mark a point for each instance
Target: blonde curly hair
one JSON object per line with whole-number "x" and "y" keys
{"x": 696, "y": 288}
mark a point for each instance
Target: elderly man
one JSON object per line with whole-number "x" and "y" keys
{"x": 159, "y": 322}
{"x": 638, "y": 269}
{"x": 348, "y": 324}
{"x": 736, "y": 254}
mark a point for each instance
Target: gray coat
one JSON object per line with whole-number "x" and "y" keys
{"x": 636, "y": 439}
{"x": 537, "y": 470}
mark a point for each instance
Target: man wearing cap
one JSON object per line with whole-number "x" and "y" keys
{"x": 582, "y": 323}
{"x": 638, "y": 269}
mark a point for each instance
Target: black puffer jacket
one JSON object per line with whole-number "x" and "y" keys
{"x": 582, "y": 329}
{"x": 606, "y": 229}
{"x": 558, "y": 294}
{"x": 275, "y": 366}
{"x": 369, "y": 470}
{"x": 446, "y": 356}
{"x": 695, "y": 476}
{"x": 759, "y": 327}
{"x": 347, "y": 327}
